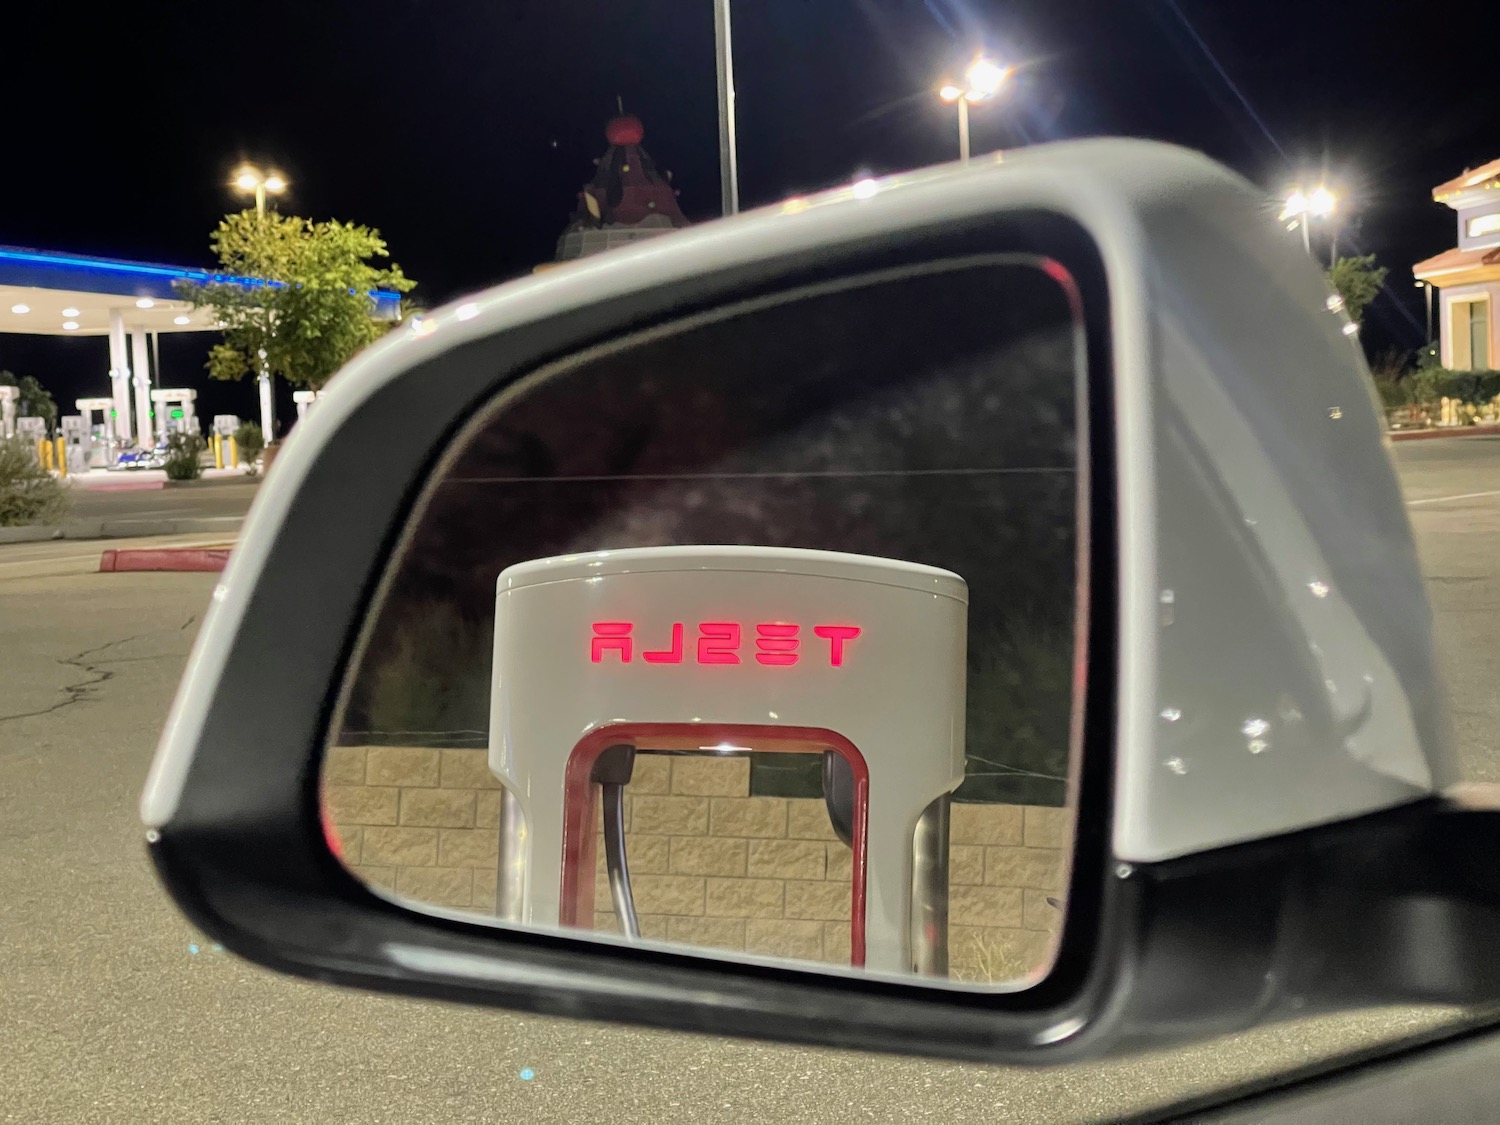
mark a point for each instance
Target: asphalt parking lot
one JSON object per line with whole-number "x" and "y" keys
{"x": 116, "y": 1010}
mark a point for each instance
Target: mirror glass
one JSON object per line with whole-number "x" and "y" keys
{"x": 754, "y": 632}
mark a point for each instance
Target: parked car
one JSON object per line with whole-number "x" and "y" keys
{"x": 135, "y": 457}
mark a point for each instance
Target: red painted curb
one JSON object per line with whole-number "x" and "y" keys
{"x": 209, "y": 559}
{"x": 1447, "y": 431}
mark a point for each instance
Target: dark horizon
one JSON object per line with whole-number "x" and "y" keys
{"x": 464, "y": 136}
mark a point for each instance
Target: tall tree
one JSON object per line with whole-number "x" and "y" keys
{"x": 310, "y": 309}
{"x": 1358, "y": 282}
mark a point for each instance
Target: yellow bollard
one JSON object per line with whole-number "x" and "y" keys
{"x": 43, "y": 447}
{"x": 62, "y": 457}
{"x": 218, "y": 452}
{"x": 234, "y": 453}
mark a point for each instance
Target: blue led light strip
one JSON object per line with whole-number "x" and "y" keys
{"x": 111, "y": 265}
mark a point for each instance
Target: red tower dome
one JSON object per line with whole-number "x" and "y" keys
{"x": 627, "y": 199}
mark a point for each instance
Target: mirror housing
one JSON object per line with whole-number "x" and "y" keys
{"x": 1262, "y": 710}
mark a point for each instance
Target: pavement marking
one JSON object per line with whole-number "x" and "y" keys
{"x": 1460, "y": 496}
{"x": 51, "y": 559}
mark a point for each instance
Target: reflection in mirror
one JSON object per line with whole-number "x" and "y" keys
{"x": 755, "y": 632}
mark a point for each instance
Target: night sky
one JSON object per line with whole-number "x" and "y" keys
{"x": 463, "y": 130}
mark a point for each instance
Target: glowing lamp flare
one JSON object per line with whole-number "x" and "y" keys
{"x": 983, "y": 79}
{"x": 247, "y": 177}
{"x": 1319, "y": 203}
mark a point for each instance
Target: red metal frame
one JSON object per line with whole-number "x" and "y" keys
{"x": 580, "y": 799}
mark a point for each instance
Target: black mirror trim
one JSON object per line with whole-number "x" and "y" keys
{"x": 244, "y": 852}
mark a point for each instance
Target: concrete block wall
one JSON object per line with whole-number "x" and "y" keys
{"x": 710, "y": 864}
{"x": 420, "y": 821}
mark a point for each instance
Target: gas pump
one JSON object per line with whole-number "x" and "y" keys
{"x": 223, "y": 436}
{"x": 100, "y": 449}
{"x": 33, "y": 431}
{"x": 78, "y": 441}
{"x": 10, "y": 400}
{"x": 305, "y": 401}
{"x": 729, "y": 650}
{"x": 175, "y": 412}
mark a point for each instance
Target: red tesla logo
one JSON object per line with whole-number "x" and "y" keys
{"x": 777, "y": 644}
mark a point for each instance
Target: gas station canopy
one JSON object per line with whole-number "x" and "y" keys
{"x": 47, "y": 293}
{"x": 43, "y": 292}
{"x": 50, "y": 294}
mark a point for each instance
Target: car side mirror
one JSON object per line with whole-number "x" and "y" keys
{"x": 844, "y": 515}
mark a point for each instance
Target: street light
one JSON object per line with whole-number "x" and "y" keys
{"x": 1304, "y": 206}
{"x": 1426, "y": 287}
{"x": 983, "y": 79}
{"x": 248, "y": 178}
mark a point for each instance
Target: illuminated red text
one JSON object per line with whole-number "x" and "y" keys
{"x": 776, "y": 644}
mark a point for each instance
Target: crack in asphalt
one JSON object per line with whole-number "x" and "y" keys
{"x": 94, "y": 672}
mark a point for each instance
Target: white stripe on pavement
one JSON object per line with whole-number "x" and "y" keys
{"x": 1460, "y": 496}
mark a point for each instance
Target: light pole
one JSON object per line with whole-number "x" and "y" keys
{"x": 1304, "y": 206}
{"x": 1426, "y": 287}
{"x": 729, "y": 173}
{"x": 982, "y": 80}
{"x": 250, "y": 179}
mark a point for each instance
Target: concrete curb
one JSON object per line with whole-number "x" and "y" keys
{"x": 1446, "y": 432}
{"x": 211, "y": 559}
{"x": 122, "y": 529}
{"x": 212, "y": 481}
{"x": 122, "y": 486}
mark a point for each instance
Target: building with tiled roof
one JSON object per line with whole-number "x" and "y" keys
{"x": 1467, "y": 277}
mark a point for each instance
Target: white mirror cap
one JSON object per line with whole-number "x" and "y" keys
{"x": 1277, "y": 669}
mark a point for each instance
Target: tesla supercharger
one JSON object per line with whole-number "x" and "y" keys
{"x": 724, "y": 650}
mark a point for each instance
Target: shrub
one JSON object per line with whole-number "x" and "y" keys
{"x": 426, "y": 675}
{"x": 29, "y": 494}
{"x": 1430, "y": 384}
{"x": 249, "y": 440}
{"x": 1019, "y": 713}
{"x": 184, "y": 456}
{"x": 1394, "y": 393}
